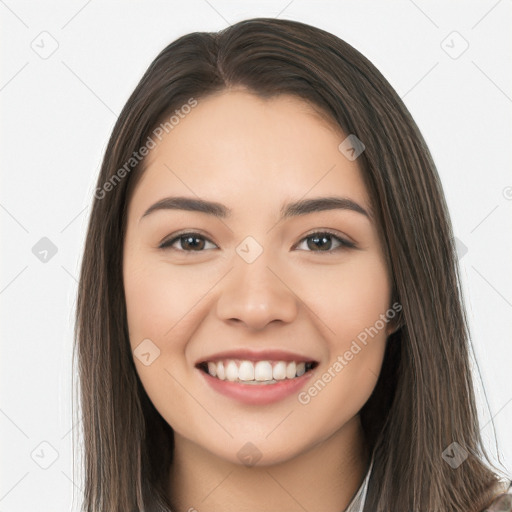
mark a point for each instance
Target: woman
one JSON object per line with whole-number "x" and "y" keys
{"x": 269, "y": 314}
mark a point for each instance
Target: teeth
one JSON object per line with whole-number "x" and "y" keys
{"x": 231, "y": 371}
{"x": 267, "y": 372}
{"x": 279, "y": 371}
{"x": 246, "y": 370}
{"x": 262, "y": 370}
{"x": 291, "y": 370}
{"x": 212, "y": 369}
{"x": 221, "y": 374}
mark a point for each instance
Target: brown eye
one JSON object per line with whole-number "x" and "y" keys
{"x": 190, "y": 242}
{"x": 322, "y": 241}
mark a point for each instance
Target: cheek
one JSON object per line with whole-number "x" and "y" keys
{"x": 158, "y": 306}
{"x": 352, "y": 302}
{"x": 157, "y": 298}
{"x": 349, "y": 298}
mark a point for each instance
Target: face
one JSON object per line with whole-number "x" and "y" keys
{"x": 311, "y": 285}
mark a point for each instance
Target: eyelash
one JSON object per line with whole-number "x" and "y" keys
{"x": 344, "y": 244}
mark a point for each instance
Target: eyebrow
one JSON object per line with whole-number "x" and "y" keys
{"x": 293, "y": 209}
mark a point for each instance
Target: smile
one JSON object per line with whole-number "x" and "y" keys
{"x": 256, "y": 382}
{"x": 260, "y": 372}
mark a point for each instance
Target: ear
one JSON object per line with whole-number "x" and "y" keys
{"x": 396, "y": 321}
{"x": 393, "y": 326}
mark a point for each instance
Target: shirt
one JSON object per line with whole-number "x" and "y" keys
{"x": 501, "y": 503}
{"x": 357, "y": 502}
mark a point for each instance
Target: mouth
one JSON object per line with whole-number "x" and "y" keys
{"x": 265, "y": 372}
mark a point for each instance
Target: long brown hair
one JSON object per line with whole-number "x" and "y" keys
{"x": 423, "y": 400}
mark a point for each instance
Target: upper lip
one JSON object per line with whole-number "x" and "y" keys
{"x": 256, "y": 355}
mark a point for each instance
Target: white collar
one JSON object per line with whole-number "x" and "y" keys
{"x": 357, "y": 503}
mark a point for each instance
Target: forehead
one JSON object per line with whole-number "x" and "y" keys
{"x": 236, "y": 146}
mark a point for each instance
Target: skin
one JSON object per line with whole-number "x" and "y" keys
{"x": 252, "y": 155}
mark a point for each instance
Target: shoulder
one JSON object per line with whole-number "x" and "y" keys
{"x": 502, "y": 502}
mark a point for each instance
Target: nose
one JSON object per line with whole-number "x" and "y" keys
{"x": 255, "y": 294}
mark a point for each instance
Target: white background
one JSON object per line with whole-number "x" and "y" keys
{"x": 58, "y": 112}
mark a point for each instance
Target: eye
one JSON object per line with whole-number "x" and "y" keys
{"x": 190, "y": 242}
{"x": 321, "y": 240}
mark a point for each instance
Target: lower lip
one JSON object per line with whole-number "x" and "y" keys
{"x": 254, "y": 394}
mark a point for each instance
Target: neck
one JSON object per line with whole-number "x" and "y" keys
{"x": 324, "y": 477}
